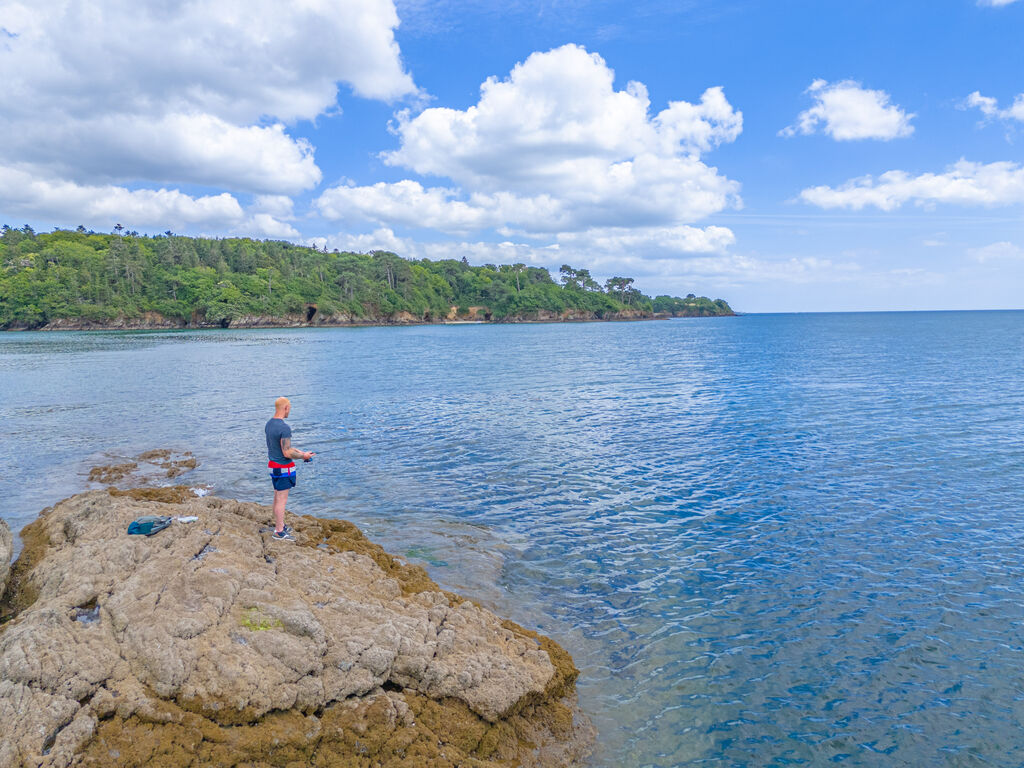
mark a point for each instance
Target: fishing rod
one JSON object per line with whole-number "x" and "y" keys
{"x": 329, "y": 451}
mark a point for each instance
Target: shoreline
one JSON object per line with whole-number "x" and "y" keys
{"x": 212, "y": 640}
{"x": 150, "y": 322}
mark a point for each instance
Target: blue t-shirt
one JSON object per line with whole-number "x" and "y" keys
{"x": 276, "y": 430}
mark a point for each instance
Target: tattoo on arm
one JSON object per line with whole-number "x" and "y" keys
{"x": 286, "y": 445}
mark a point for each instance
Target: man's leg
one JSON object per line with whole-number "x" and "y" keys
{"x": 280, "y": 499}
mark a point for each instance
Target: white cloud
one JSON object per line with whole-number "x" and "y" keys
{"x": 995, "y": 3}
{"x": 382, "y": 239}
{"x": 990, "y": 107}
{"x": 849, "y": 112}
{"x": 120, "y": 91}
{"x": 406, "y": 203}
{"x": 478, "y": 252}
{"x": 265, "y": 225}
{"x": 964, "y": 183}
{"x": 667, "y": 242}
{"x": 198, "y": 149}
{"x": 554, "y": 150}
{"x": 23, "y": 192}
{"x": 609, "y": 248}
{"x": 746, "y": 269}
{"x": 237, "y": 59}
{"x": 101, "y": 206}
{"x": 555, "y": 124}
{"x": 1002, "y": 251}
{"x": 505, "y": 252}
{"x": 647, "y": 193}
{"x": 279, "y": 206}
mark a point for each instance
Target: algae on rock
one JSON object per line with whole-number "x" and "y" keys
{"x": 211, "y": 644}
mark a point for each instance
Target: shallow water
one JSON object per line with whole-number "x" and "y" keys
{"x": 766, "y": 540}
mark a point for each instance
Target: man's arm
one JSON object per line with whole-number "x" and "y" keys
{"x": 294, "y": 453}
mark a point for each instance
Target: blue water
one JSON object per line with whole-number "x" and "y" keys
{"x": 767, "y": 540}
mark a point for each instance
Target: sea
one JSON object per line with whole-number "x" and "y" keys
{"x": 767, "y": 540}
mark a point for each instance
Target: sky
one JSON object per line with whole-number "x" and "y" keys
{"x": 790, "y": 156}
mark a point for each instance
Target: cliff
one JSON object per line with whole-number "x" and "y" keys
{"x": 153, "y": 321}
{"x": 211, "y": 644}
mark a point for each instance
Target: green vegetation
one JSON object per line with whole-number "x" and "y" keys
{"x": 255, "y": 621}
{"x": 89, "y": 277}
{"x": 691, "y": 306}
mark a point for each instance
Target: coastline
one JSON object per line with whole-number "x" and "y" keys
{"x": 152, "y": 321}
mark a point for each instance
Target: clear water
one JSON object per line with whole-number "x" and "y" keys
{"x": 767, "y": 540}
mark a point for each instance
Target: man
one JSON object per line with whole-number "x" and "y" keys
{"x": 282, "y": 469}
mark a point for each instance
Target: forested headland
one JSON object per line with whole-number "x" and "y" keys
{"x": 81, "y": 279}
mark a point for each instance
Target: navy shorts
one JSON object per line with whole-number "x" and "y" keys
{"x": 283, "y": 478}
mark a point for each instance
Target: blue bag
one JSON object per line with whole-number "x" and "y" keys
{"x": 148, "y": 525}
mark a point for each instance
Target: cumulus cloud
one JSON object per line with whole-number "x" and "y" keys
{"x": 198, "y": 149}
{"x": 652, "y": 242}
{"x": 23, "y": 192}
{"x": 963, "y": 183}
{"x": 267, "y": 226}
{"x": 382, "y": 239}
{"x": 847, "y": 111}
{"x": 279, "y": 206}
{"x": 555, "y": 123}
{"x": 186, "y": 92}
{"x": 554, "y": 149}
{"x": 477, "y": 251}
{"x": 989, "y": 107}
{"x": 406, "y": 203}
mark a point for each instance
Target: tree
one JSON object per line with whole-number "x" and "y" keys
{"x": 621, "y": 287}
{"x": 578, "y": 279}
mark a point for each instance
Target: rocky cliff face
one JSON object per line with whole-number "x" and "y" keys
{"x": 156, "y": 321}
{"x": 211, "y": 644}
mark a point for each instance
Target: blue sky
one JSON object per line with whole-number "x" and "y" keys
{"x": 787, "y": 156}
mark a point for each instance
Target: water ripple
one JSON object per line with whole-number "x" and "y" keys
{"x": 769, "y": 540}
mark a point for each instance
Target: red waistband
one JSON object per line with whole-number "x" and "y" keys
{"x": 275, "y": 465}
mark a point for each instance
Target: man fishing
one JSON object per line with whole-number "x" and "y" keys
{"x": 280, "y": 455}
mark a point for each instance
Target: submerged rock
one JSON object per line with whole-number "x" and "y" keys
{"x": 212, "y": 644}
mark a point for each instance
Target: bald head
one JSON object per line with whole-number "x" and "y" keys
{"x": 282, "y": 407}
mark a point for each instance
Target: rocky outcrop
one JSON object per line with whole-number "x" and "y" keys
{"x": 6, "y": 549}
{"x": 211, "y": 644}
{"x": 143, "y": 321}
{"x": 156, "y": 321}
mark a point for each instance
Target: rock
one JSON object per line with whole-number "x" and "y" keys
{"x": 6, "y": 549}
{"x": 212, "y": 644}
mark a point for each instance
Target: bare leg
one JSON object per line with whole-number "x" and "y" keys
{"x": 280, "y": 499}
